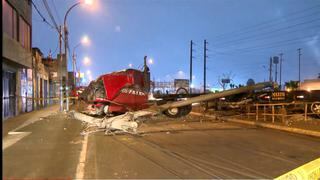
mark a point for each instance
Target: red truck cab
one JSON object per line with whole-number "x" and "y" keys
{"x": 118, "y": 92}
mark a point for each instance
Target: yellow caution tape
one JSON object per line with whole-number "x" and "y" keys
{"x": 309, "y": 171}
{"x": 52, "y": 98}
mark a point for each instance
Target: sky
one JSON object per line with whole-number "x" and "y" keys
{"x": 241, "y": 35}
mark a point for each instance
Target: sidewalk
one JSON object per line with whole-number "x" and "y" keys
{"x": 17, "y": 122}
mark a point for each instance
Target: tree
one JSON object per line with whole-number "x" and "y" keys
{"x": 292, "y": 85}
{"x": 232, "y": 86}
{"x": 225, "y": 80}
{"x": 250, "y": 82}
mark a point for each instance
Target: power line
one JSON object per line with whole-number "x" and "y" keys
{"x": 265, "y": 23}
{"x": 50, "y": 14}
{"x": 56, "y": 12}
{"x": 283, "y": 28}
{"x": 271, "y": 45}
{"x": 40, "y": 14}
{"x": 56, "y": 49}
{"x": 273, "y": 31}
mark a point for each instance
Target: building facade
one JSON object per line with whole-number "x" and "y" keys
{"x": 40, "y": 80}
{"x": 16, "y": 55}
{"x": 310, "y": 84}
{"x": 57, "y": 71}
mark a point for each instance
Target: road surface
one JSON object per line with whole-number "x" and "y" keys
{"x": 184, "y": 148}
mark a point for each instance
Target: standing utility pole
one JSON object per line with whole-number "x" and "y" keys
{"x": 190, "y": 84}
{"x": 65, "y": 49}
{"x": 66, "y": 59}
{"x": 270, "y": 70}
{"x": 204, "y": 65}
{"x": 60, "y": 67}
{"x": 74, "y": 71}
{"x": 281, "y": 54}
{"x": 276, "y": 71}
{"x": 299, "y": 51}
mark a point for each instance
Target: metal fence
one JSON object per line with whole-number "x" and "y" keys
{"x": 280, "y": 110}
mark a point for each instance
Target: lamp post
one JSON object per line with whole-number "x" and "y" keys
{"x": 65, "y": 30}
{"x": 84, "y": 41}
{"x": 74, "y": 64}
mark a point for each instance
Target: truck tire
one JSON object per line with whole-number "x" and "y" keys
{"x": 173, "y": 112}
{"x": 315, "y": 108}
{"x": 186, "y": 110}
{"x": 178, "y": 112}
{"x": 182, "y": 90}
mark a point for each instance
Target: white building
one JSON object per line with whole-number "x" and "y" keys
{"x": 310, "y": 84}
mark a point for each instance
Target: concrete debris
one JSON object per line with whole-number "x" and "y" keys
{"x": 125, "y": 123}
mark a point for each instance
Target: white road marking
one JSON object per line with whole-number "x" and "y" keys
{"x": 82, "y": 159}
{"x": 12, "y": 138}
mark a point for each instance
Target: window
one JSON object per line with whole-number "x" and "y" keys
{"x": 24, "y": 33}
{"x": 9, "y": 20}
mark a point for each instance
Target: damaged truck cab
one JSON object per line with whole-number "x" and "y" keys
{"x": 118, "y": 92}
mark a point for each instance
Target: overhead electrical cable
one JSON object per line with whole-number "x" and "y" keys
{"x": 40, "y": 14}
{"x": 271, "y": 45}
{"x": 265, "y": 23}
{"x": 56, "y": 12}
{"x": 270, "y": 32}
{"x": 50, "y": 14}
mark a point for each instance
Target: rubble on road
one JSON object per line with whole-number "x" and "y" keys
{"x": 125, "y": 123}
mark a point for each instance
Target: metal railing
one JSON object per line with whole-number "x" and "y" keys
{"x": 279, "y": 110}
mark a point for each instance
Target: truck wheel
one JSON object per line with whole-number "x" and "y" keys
{"x": 315, "y": 108}
{"x": 182, "y": 90}
{"x": 173, "y": 112}
{"x": 186, "y": 110}
{"x": 178, "y": 112}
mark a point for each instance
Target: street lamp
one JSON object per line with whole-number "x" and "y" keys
{"x": 150, "y": 61}
{"x": 84, "y": 41}
{"x": 88, "y": 2}
{"x": 86, "y": 61}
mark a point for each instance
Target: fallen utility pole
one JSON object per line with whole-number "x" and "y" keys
{"x": 211, "y": 96}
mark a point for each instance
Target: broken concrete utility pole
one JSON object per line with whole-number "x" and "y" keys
{"x": 208, "y": 97}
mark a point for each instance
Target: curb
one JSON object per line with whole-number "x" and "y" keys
{"x": 265, "y": 125}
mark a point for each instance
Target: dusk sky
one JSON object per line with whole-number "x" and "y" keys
{"x": 242, "y": 35}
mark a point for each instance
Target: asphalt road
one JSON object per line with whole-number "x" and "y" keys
{"x": 168, "y": 149}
